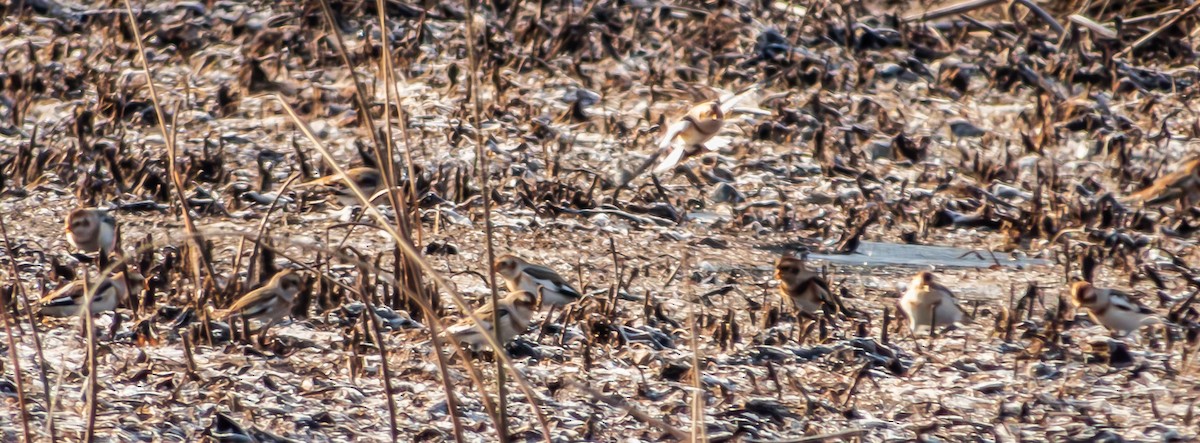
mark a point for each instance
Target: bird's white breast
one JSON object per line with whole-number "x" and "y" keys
{"x": 918, "y": 304}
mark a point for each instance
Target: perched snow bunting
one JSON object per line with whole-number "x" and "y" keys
{"x": 91, "y": 230}
{"x": 1183, "y": 185}
{"x": 808, "y": 291}
{"x": 270, "y": 303}
{"x": 699, "y": 125}
{"x": 516, "y": 312}
{"x": 520, "y": 275}
{"x": 926, "y": 301}
{"x": 69, "y": 300}
{"x": 1111, "y": 308}
{"x": 368, "y": 180}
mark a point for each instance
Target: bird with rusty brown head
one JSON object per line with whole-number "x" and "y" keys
{"x": 807, "y": 290}
{"x": 270, "y": 303}
{"x": 928, "y": 303}
{"x": 1116, "y": 310}
{"x": 515, "y": 313}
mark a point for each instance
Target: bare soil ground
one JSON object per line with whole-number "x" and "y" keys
{"x": 863, "y": 132}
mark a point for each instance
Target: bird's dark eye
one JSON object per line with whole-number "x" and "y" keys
{"x": 369, "y": 181}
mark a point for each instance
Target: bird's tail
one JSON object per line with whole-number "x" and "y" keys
{"x": 834, "y": 301}
{"x": 219, "y": 314}
{"x": 967, "y": 318}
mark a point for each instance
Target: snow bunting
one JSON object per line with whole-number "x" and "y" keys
{"x": 927, "y": 302}
{"x": 808, "y": 292}
{"x": 91, "y": 230}
{"x": 520, "y": 275}
{"x": 69, "y": 300}
{"x": 516, "y": 312}
{"x": 368, "y": 180}
{"x": 701, "y": 123}
{"x": 270, "y": 303}
{"x": 1111, "y": 308}
{"x": 1182, "y": 185}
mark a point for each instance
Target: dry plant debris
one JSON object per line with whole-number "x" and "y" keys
{"x": 1012, "y": 147}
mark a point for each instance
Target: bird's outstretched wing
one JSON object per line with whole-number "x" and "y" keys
{"x": 672, "y": 132}
{"x": 676, "y": 155}
{"x": 729, "y": 102}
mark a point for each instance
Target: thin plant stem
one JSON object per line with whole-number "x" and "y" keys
{"x": 485, "y": 189}
{"x": 13, "y": 354}
{"x": 402, "y": 218}
{"x": 360, "y": 93}
{"x": 196, "y": 255}
{"x": 412, "y": 254}
{"x": 383, "y": 361}
{"x": 89, "y": 326}
{"x": 37, "y": 341}
{"x": 698, "y": 432}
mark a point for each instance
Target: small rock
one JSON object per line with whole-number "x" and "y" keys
{"x": 726, "y": 193}
{"x": 989, "y": 387}
{"x": 963, "y": 129}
